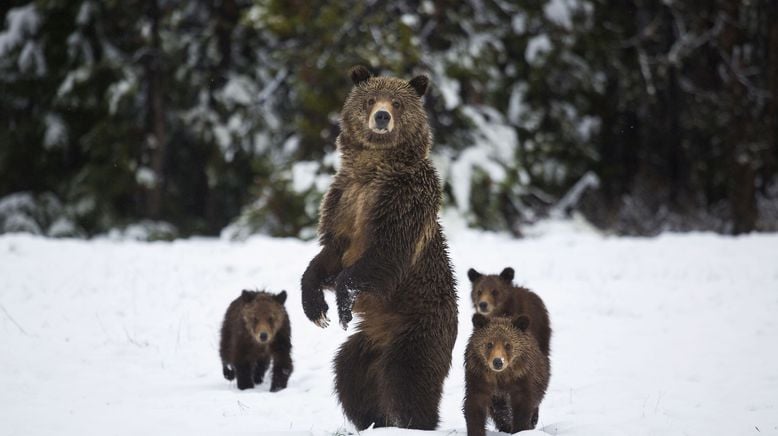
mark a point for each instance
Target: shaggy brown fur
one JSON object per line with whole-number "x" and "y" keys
{"x": 256, "y": 330}
{"x": 385, "y": 255}
{"x": 496, "y": 295}
{"x": 506, "y": 375}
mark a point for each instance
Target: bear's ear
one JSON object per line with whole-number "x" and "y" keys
{"x": 281, "y": 297}
{"x": 507, "y": 274}
{"x": 419, "y": 84}
{"x": 473, "y": 275}
{"x": 359, "y": 74}
{"x": 521, "y": 322}
{"x": 247, "y": 295}
{"x": 480, "y": 321}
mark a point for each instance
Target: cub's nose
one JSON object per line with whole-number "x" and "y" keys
{"x": 263, "y": 337}
{"x": 497, "y": 363}
{"x": 482, "y": 306}
{"x": 382, "y": 119}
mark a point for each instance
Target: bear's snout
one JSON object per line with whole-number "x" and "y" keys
{"x": 483, "y": 307}
{"x": 382, "y": 119}
{"x": 497, "y": 363}
{"x": 263, "y": 337}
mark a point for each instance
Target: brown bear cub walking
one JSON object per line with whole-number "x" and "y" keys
{"x": 255, "y": 331}
{"x": 384, "y": 254}
{"x": 506, "y": 375}
{"x": 495, "y": 295}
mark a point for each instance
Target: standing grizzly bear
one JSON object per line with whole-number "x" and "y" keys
{"x": 506, "y": 375}
{"x": 255, "y": 331}
{"x": 385, "y": 255}
{"x": 495, "y": 295}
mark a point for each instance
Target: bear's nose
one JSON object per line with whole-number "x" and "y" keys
{"x": 263, "y": 337}
{"x": 483, "y": 306}
{"x": 382, "y": 119}
{"x": 497, "y": 363}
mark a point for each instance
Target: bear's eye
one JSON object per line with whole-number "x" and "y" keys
{"x": 508, "y": 346}
{"x": 396, "y": 104}
{"x": 370, "y": 101}
{"x": 490, "y": 345}
{"x": 270, "y": 320}
{"x": 494, "y": 292}
{"x": 479, "y": 293}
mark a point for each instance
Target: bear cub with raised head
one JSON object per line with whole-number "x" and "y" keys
{"x": 496, "y": 295}
{"x": 256, "y": 330}
{"x": 506, "y": 375}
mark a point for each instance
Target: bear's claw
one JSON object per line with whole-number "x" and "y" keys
{"x": 322, "y": 321}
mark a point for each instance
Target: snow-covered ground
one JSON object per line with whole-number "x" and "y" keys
{"x": 667, "y": 336}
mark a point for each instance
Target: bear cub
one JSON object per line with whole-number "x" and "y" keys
{"x": 256, "y": 330}
{"x": 506, "y": 375}
{"x": 495, "y": 295}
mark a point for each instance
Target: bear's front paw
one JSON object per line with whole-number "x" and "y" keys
{"x": 345, "y": 293}
{"x": 315, "y": 307}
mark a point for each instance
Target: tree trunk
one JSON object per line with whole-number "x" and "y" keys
{"x": 742, "y": 169}
{"x": 157, "y": 132}
{"x": 771, "y": 72}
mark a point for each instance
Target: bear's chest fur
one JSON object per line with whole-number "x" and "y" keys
{"x": 353, "y": 218}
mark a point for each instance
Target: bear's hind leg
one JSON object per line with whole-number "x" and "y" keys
{"x": 356, "y": 388}
{"x": 413, "y": 385}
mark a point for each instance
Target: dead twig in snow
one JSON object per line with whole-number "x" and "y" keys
{"x": 8, "y": 315}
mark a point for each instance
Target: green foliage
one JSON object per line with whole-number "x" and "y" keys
{"x": 204, "y": 114}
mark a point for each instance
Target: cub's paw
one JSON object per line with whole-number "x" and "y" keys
{"x": 228, "y": 372}
{"x": 277, "y": 387}
{"x": 245, "y": 384}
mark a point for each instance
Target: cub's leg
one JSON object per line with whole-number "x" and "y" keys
{"x": 243, "y": 372}
{"x": 259, "y": 370}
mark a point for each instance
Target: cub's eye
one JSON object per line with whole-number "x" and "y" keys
{"x": 508, "y": 346}
{"x": 479, "y": 293}
{"x": 270, "y": 320}
{"x": 494, "y": 292}
{"x": 490, "y": 345}
{"x": 396, "y": 104}
{"x": 370, "y": 101}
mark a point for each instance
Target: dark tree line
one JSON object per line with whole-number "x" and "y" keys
{"x": 641, "y": 115}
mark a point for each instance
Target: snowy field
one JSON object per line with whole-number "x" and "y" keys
{"x": 676, "y": 335}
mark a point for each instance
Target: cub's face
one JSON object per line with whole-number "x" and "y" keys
{"x": 498, "y": 341}
{"x": 382, "y": 112}
{"x": 263, "y": 315}
{"x": 491, "y": 294}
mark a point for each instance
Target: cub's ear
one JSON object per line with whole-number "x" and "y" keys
{"x": 281, "y": 297}
{"x": 473, "y": 275}
{"x": 247, "y": 295}
{"x": 521, "y": 322}
{"x": 480, "y": 321}
{"x": 419, "y": 84}
{"x": 359, "y": 74}
{"x": 507, "y": 274}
